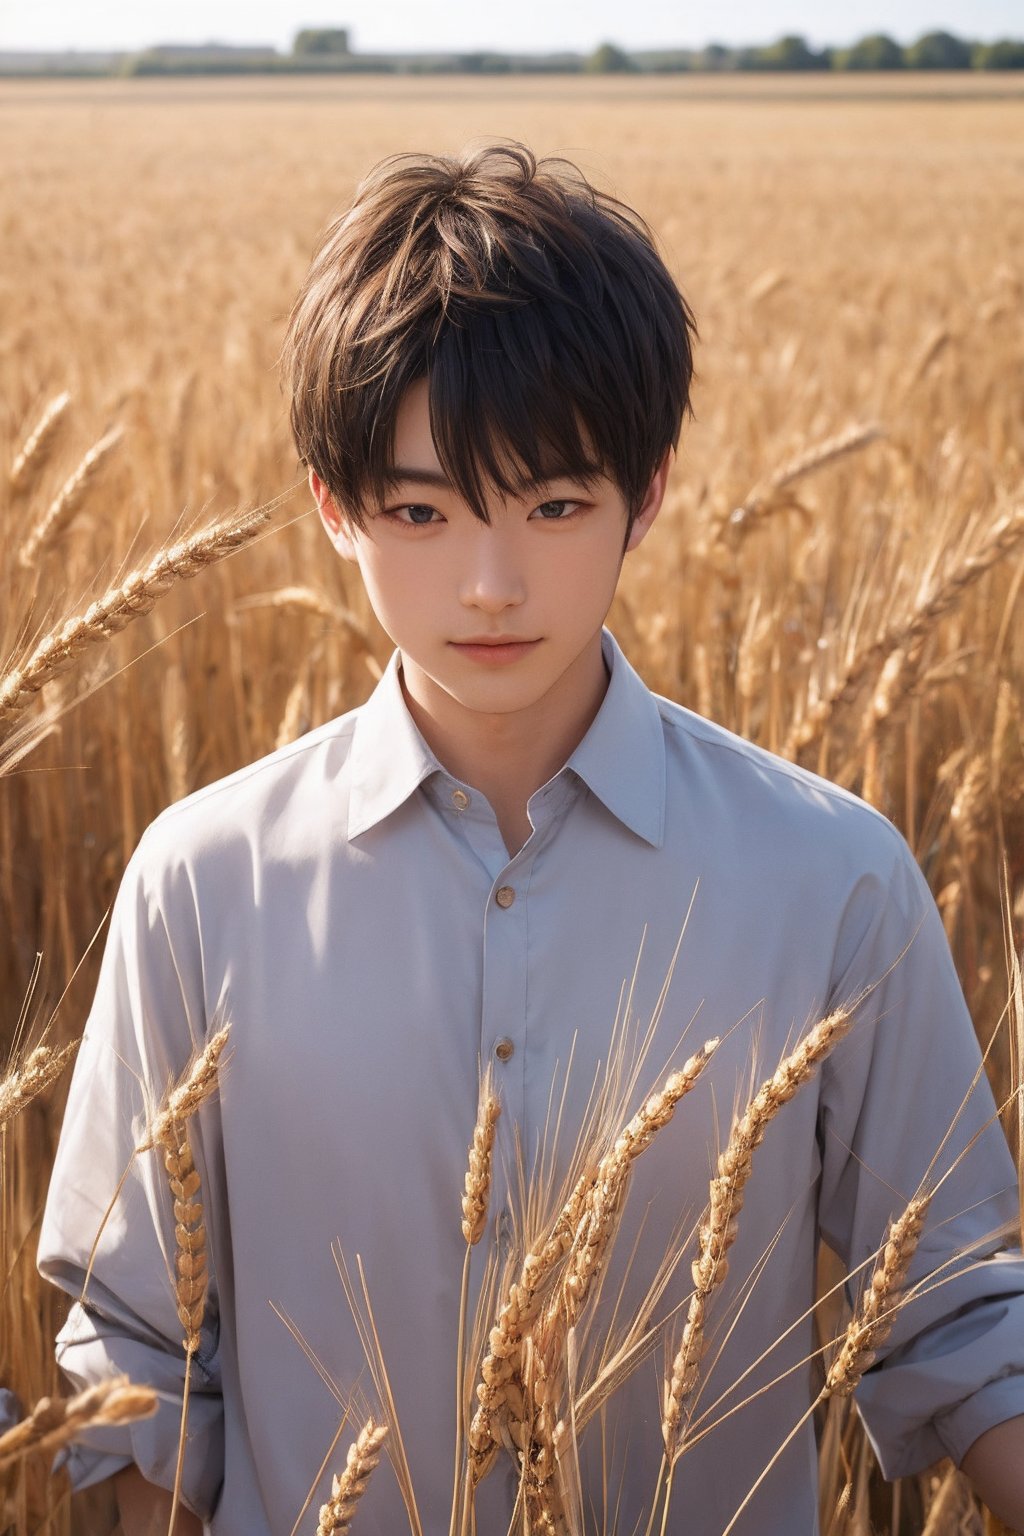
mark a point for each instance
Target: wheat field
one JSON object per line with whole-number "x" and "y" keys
{"x": 837, "y": 572}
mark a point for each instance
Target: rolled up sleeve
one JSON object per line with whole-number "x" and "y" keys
{"x": 953, "y": 1364}
{"x": 147, "y": 1017}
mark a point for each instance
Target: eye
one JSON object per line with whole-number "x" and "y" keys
{"x": 555, "y": 511}
{"x": 419, "y": 516}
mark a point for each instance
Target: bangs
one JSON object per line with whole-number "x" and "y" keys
{"x": 506, "y": 414}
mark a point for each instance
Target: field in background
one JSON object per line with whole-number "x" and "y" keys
{"x": 854, "y": 262}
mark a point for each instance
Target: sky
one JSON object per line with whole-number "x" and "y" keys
{"x": 521, "y": 26}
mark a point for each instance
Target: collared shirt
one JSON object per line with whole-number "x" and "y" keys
{"x": 350, "y": 907}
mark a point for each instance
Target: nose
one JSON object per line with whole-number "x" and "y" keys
{"x": 492, "y": 576}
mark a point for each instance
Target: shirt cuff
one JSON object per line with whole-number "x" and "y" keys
{"x": 914, "y": 1405}
{"x": 88, "y": 1350}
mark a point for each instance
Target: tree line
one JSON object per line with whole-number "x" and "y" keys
{"x": 328, "y": 49}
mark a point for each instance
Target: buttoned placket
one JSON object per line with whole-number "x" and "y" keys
{"x": 504, "y": 1041}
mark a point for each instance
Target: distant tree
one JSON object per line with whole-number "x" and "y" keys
{"x": 608, "y": 60}
{"x": 715, "y": 56}
{"x": 1005, "y": 54}
{"x": 320, "y": 40}
{"x": 484, "y": 63}
{"x": 792, "y": 52}
{"x": 877, "y": 51}
{"x": 939, "y": 50}
{"x": 789, "y": 53}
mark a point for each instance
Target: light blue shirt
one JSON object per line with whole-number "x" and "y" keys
{"x": 351, "y": 908}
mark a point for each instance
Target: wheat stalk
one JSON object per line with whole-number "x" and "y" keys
{"x": 291, "y": 725}
{"x": 69, "y": 499}
{"x": 31, "y": 459}
{"x": 120, "y": 605}
{"x": 346, "y": 1490}
{"x": 56, "y": 1420}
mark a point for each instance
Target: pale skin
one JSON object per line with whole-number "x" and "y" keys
{"x": 543, "y": 571}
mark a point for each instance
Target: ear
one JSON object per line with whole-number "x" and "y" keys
{"x": 651, "y": 504}
{"x": 339, "y": 530}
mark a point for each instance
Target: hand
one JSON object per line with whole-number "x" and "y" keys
{"x": 145, "y": 1510}
{"x": 995, "y": 1465}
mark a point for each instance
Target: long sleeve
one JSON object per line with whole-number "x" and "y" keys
{"x": 953, "y": 1365}
{"x": 147, "y": 1017}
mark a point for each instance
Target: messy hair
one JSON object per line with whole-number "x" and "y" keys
{"x": 552, "y": 336}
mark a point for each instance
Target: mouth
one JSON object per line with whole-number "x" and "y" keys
{"x": 494, "y": 648}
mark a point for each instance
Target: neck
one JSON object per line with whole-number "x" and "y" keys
{"x": 509, "y": 756}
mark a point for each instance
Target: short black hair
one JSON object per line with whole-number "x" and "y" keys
{"x": 552, "y": 335}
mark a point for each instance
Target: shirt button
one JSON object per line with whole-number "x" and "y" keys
{"x": 504, "y": 896}
{"x": 460, "y": 799}
{"x": 504, "y": 1049}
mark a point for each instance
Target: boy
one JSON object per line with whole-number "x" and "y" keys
{"x": 490, "y": 366}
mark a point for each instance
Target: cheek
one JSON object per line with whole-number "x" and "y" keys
{"x": 395, "y": 592}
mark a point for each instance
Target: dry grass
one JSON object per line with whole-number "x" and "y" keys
{"x": 855, "y": 268}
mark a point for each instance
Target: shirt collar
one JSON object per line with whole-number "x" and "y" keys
{"x": 621, "y": 759}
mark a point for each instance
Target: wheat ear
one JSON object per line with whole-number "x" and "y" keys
{"x": 761, "y": 502}
{"x": 56, "y": 1420}
{"x": 196, "y": 1085}
{"x": 868, "y": 1328}
{"x": 475, "y": 1200}
{"x": 604, "y": 1200}
{"x": 515, "y": 1317}
{"x": 168, "y": 1130}
{"x": 69, "y": 499}
{"x": 346, "y": 1491}
{"x": 31, "y": 459}
{"x": 522, "y": 1373}
{"x": 1002, "y": 539}
{"x": 874, "y": 1317}
{"x": 718, "y": 1229}
{"x": 191, "y": 1269}
{"x": 120, "y": 605}
{"x": 39, "y": 1069}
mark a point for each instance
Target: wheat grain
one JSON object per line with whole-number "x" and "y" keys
{"x": 346, "y": 1491}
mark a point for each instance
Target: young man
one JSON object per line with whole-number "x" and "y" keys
{"x": 490, "y": 366}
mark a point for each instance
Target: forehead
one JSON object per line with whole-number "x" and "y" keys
{"x": 414, "y": 446}
{"x": 414, "y": 443}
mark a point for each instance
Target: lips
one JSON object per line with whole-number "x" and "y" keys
{"x": 493, "y": 650}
